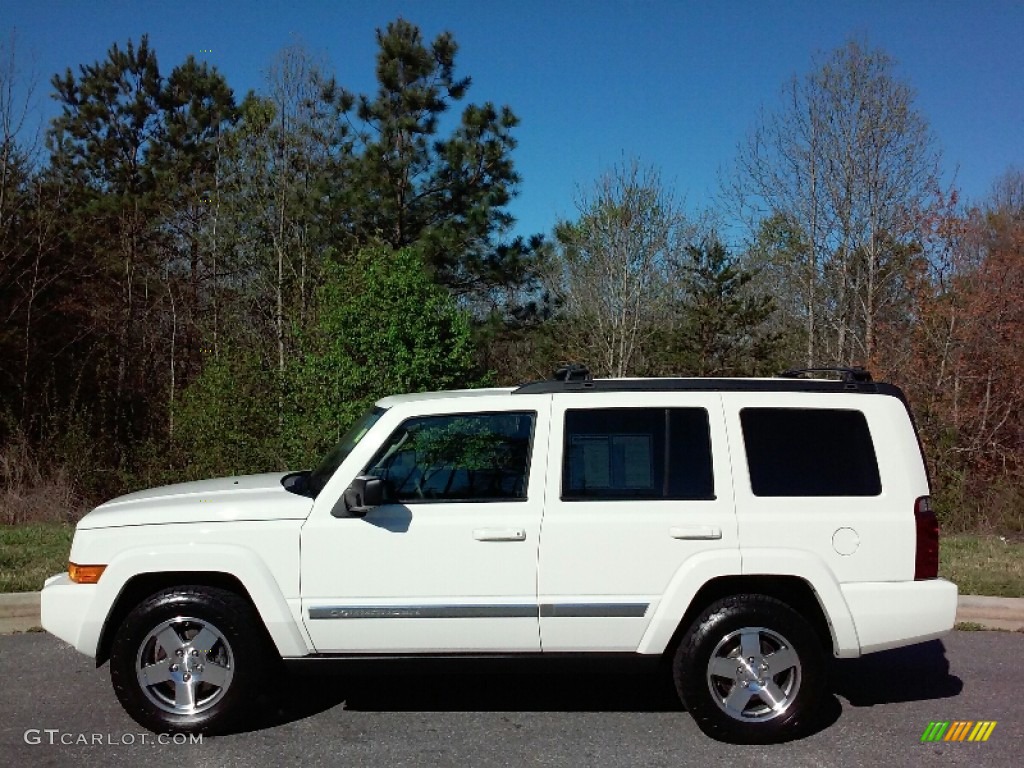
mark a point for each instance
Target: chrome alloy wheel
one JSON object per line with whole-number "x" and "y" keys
{"x": 184, "y": 665}
{"x": 754, "y": 674}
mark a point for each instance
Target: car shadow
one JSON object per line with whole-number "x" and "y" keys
{"x": 915, "y": 673}
{"x": 550, "y": 690}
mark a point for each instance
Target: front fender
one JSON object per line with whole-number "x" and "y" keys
{"x": 237, "y": 561}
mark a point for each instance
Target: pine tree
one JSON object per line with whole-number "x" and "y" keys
{"x": 723, "y": 330}
{"x": 412, "y": 185}
{"x": 100, "y": 146}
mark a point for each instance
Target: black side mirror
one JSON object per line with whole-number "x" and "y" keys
{"x": 365, "y": 493}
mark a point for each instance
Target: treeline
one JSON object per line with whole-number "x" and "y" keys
{"x": 196, "y": 284}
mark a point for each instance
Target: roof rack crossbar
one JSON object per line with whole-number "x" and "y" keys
{"x": 572, "y": 372}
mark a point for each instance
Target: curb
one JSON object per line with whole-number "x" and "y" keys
{"x": 16, "y": 605}
{"x": 19, "y": 612}
{"x": 992, "y": 612}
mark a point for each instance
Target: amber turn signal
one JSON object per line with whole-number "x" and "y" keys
{"x": 85, "y": 574}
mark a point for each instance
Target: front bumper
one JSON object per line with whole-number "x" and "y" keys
{"x": 894, "y": 614}
{"x": 64, "y": 608}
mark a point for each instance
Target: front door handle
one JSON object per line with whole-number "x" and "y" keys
{"x": 695, "y": 532}
{"x": 500, "y": 534}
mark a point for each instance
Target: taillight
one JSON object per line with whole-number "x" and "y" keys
{"x": 926, "y": 561}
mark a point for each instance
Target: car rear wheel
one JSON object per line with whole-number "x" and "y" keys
{"x": 187, "y": 659}
{"x": 750, "y": 670}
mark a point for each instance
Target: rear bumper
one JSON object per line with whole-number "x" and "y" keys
{"x": 64, "y": 608}
{"x": 894, "y": 614}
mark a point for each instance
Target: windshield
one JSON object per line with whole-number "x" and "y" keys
{"x": 318, "y": 477}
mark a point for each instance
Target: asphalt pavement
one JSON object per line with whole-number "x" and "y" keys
{"x": 57, "y": 709}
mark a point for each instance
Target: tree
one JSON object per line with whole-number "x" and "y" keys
{"x": 723, "y": 323}
{"x": 412, "y": 185}
{"x": 956, "y": 349}
{"x": 276, "y": 168}
{"x": 852, "y": 166}
{"x": 197, "y": 110}
{"x": 609, "y": 274}
{"x": 384, "y": 327}
{"x": 100, "y": 144}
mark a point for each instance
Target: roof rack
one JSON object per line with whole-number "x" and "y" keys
{"x": 850, "y": 375}
{"x": 574, "y": 377}
{"x": 572, "y": 372}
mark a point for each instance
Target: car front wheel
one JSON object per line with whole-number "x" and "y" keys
{"x": 187, "y": 658}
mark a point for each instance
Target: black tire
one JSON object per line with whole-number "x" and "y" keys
{"x": 222, "y": 678}
{"x": 755, "y": 704}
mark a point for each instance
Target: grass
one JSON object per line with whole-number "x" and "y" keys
{"x": 979, "y": 564}
{"x": 983, "y": 564}
{"x": 31, "y": 553}
{"x": 968, "y": 626}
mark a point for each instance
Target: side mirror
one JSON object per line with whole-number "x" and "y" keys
{"x": 365, "y": 493}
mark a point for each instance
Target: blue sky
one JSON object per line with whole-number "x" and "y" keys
{"x": 677, "y": 84}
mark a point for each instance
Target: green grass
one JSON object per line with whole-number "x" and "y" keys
{"x": 980, "y": 565}
{"x": 968, "y": 626}
{"x": 983, "y": 564}
{"x": 31, "y": 553}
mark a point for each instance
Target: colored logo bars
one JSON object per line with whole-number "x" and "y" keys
{"x": 959, "y": 730}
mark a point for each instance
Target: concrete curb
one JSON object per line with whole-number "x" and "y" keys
{"x": 992, "y": 612}
{"x": 19, "y": 612}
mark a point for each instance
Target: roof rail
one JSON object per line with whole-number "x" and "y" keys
{"x": 852, "y": 375}
{"x": 573, "y": 377}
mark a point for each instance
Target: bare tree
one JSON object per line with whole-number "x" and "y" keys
{"x": 17, "y": 92}
{"x": 610, "y": 271}
{"x": 849, "y": 162}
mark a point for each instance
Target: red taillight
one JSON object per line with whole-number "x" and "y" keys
{"x": 926, "y": 562}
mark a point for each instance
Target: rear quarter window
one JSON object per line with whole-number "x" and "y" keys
{"x": 809, "y": 452}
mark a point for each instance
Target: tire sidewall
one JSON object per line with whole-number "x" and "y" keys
{"x": 230, "y": 614}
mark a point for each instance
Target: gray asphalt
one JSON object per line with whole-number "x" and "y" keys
{"x": 880, "y": 706}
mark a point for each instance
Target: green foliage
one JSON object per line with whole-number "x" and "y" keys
{"x": 110, "y": 116}
{"x": 722, "y": 322}
{"x": 227, "y": 421}
{"x": 384, "y": 327}
{"x": 408, "y": 184}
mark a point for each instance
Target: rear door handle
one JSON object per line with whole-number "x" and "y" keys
{"x": 500, "y": 534}
{"x": 695, "y": 532}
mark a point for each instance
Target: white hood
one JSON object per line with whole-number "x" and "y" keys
{"x": 247, "y": 497}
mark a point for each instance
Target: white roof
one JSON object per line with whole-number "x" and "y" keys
{"x": 391, "y": 400}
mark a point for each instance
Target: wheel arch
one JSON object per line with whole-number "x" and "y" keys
{"x": 794, "y": 591}
{"x": 789, "y": 575}
{"x": 142, "y": 585}
{"x": 136, "y": 574}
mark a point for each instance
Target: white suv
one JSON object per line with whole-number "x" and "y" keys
{"x": 739, "y": 530}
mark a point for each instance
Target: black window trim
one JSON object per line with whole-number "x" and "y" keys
{"x": 665, "y": 408}
{"x": 456, "y": 414}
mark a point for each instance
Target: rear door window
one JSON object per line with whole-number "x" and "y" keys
{"x": 637, "y": 453}
{"x": 809, "y": 452}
